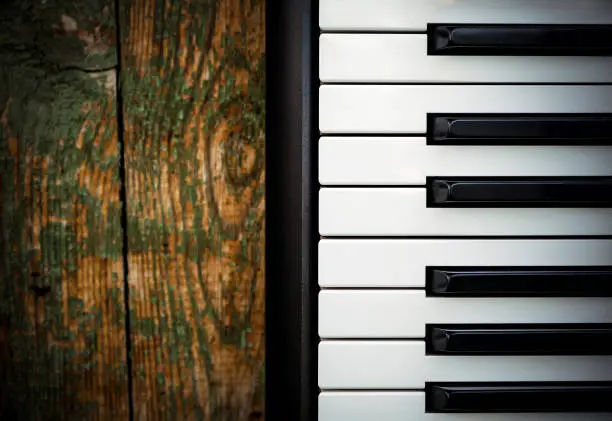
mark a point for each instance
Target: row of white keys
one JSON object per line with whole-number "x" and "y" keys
{"x": 403, "y": 109}
{"x": 386, "y": 365}
{"x": 410, "y": 406}
{"x": 403, "y": 58}
{"x": 372, "y": 360}
{"x": 409, "y": 160}
{"x": 405, "y": 314}
{"x": 395, "y": 263}
{"x": 389, "y": 211}
{"x": 414, "y": 15}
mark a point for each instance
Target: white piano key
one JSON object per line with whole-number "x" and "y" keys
{"x": 405, "y": 314}
{"x": 403, "y": 58}
{"x": 403, "y": 109}
{"x": 413, "y": 15}
{"x": 410, "y": 406}
{"x": 402, "y": 263}
{"x": 409, "y": 160}
{"x": 404, "y": 365}
{"x": 403, "y": 211}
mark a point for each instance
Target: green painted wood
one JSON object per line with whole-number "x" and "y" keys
{"x": 62, "y": 334}
{"x": 194, "y": 103}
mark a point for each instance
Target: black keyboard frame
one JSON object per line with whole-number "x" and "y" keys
{"x": 292, "y": 133}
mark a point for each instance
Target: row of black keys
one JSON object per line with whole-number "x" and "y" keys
{"x": 519, "y": 129}
{"x": 523, "y": 339}
{"x": 525, "y": 40}
{"x": 513, "y": 281}
{"x": 518, "y": 397}
{"x": 475, "y": 192}
{"x": 519, "y": 339}
{"x": 526, "y": 339}
{"x": 532, "y": 339}
{"x": 500, "y": 129}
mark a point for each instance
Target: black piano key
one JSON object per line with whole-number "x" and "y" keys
{"x": 519, "y": 40}
{"x": 570, "y": 281}
{"x": 525, "y": 339}
{"x": 525, "y": 129}
{"x": 541, "y": 192}
{"x": 518, "y": 397}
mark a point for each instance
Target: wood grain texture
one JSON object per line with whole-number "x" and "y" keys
{"x": 62, "y": 336}
{"x": 193, "y": 82}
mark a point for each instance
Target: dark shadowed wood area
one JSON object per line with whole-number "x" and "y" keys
{"x": 188, "y": 116}
{"x": 62, "y": 335}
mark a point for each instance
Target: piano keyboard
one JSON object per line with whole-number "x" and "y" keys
{"x": 465, "y": 210}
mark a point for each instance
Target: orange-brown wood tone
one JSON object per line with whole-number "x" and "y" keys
{"x": 190, "y": 126}
{"x": 193, "y": 102}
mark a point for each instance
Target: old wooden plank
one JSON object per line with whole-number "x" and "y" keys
{"x": 193, "y": 81}
{"x": 62, "y": 336}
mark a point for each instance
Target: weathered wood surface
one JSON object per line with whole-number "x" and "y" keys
{"x": 62, "y": 336}
{"x": 193, "y": 99}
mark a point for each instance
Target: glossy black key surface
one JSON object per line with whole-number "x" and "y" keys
{"x": 518, "y": 397}
{"x": 570, "y": 281}
{"x": 523, "y": 129}
{"x": 520, "y": 40}
{"x": 519, "y": 339}
{"x": 506, "y": 192}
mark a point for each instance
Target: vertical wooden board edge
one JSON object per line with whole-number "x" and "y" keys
{"x": 291, "y": 209}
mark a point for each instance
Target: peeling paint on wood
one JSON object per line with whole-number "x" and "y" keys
{"x": 193, "y": 77}
{"x": 194, "y": 95}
